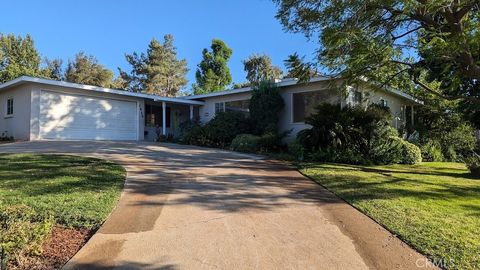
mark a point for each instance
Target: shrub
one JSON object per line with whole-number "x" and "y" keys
{"x": 473, "y": 164}
{"x": 192, "y": 132}
{"x": 22, "y": 233}
{"x": 224, "y": 127}
{"x": 245, "y": 143}
{"x": 432, "y": 151}
{"x": 296, "y": 149}
{"x": 385, "y": 147}
{"x": 265, "y": 106}
{"x": 411, "y": 154}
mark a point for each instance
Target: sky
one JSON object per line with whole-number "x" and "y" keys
{"x": 108, "y": 29}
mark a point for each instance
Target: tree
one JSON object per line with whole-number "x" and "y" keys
{"x": 18, "y": 57}
{"x": 265, "y": 106}
{"x": 158, "y": 71}
{"x": 259, "y": 68}
{"x": 85, "y": 69}
{"x": 402, "y": 43}
{"x": 298, "y": 68}
{"x": 53, "y": 69}
{"x": 213, "y": 73}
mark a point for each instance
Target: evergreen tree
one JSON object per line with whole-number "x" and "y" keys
{"x": 18, "y": 57}
{"x": 85, "y": 69}
{"x": 53, "y": 69}
{"x": 213, "y": 73}
{"x": 259, "y": 68}
{"x": 158, "y": 71}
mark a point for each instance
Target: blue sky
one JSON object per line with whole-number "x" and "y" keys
{"x": 108, "y": 29}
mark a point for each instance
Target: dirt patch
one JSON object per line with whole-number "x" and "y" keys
{"x": 59, "y": 247}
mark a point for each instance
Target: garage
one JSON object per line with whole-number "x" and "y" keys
{"x": 77, "y": 117}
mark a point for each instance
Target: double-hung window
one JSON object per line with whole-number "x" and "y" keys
{"x": 219, "y": 107}
{"x": 9, "y": 111}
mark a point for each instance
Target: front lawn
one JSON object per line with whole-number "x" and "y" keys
{"x": 50, "y": 204}
{"x": 79, "y": 191}
{"x": 435, "y": 207}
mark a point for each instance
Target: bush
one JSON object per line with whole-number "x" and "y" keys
{"x": 432, "y": 151}
{"x": 265, "y": 106}
{"x": 296, "y": 149}
{"x": 473, "y": 164}
{"x": 22, "y": 233}
{"x": 411, "y": 154}
{"x": 192, "y": 132}
{"x": 246, "y": 143}
{"x": 224, "y": 127}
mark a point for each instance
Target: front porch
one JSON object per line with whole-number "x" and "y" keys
{"x": 163, "y": 118}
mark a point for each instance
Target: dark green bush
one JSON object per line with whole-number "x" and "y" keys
{"x": 246, "y": 143}
{"x": 224, "y": 127}
{"x": 411, "y": 154}
{"x": 432, "y": 151}
{"x": 296, "y": 149}
{"x": 192, "y": 132}
{"x": 22, "y": 232}
{"x": 265, "y": 106}
{"x": 473, "y": 164}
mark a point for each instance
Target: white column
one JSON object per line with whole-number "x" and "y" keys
{"x": 164, "y": 118}
{"x": 191, "y": 112}
{"x": 412, "y": 116}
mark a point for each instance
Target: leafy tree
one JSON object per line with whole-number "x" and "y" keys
{"x": 85, "y": 69}
{"x": 158, "y": 71}
{"x": 213, "y": 73}
{"x": 402, "y": 43}
{"x": 18, "y": 57}
{"x": 53, "y": 69}
{"x": 298, "y": 68}
{"x": 259, "y": 68}
{"x": 265, "y": 107}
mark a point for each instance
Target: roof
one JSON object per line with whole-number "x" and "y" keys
{"x": 28, "y": 79}
{"x": 290, "y": 82}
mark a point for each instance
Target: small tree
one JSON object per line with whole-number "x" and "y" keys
{"x": 18, "y": 56}
{"x": 260, "y": 68}
{"x": 265, "y": 106}
{"x": 85, "y": 69}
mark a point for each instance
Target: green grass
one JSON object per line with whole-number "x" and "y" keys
{"x": 80, "y": 192}
{"x": 435, "y": 207}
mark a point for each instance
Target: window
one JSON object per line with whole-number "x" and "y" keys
{"x": 9, "y": 106}
{"x": 219, "y": 107}
{"x": 384, "y": 102}
{"x": 153, "y": 116}
{"x": 238, "y": 106}
{"x": 357, "y": 97}
{"x": 304, "y": 103}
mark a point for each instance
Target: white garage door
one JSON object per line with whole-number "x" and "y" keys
{"x": 71, "y": 117}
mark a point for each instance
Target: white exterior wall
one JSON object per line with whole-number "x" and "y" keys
{"x": 207, "y": 111}
{"x": 34, "y": 112}
{"x": 17, "y": 125}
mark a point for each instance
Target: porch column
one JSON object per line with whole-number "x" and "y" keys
{"x": 164, "y": 118}
{"x": 191, "y": 112}
{"x": 412, "y": 115}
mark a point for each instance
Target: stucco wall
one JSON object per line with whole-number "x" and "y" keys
{"x": 17, "y": 125}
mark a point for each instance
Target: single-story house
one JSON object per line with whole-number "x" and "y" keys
{"x": 42, "y": 109}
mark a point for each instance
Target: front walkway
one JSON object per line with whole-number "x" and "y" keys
{"x": 195, "y": 208}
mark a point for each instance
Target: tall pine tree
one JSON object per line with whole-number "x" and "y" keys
{"x": 85, "y": 69}
{"x": 158, "y": 71}
{"x": 213, "y": 73}
{"x": 18, "y": 57}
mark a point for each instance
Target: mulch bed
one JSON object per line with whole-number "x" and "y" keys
{"x": 61, "y": 246}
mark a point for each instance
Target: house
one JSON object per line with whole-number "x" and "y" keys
{"x": 42, "y": 109}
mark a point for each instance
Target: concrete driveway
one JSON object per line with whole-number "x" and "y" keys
{"x": 186, "y": 207}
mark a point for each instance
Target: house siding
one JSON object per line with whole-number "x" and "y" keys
{"x": 17, "y": 125}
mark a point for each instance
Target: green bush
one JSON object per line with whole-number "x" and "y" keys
{"x": 22, "y": 232}
{"x": 246, "y": 143}
{"x": 224, "y": 127}
{"x": 296, "y": 149}
{"x": 473, "y": 164}
{"x": 385, "y": 147}
{"x": 265, "y": 106}
{"x": 432, "y": 151}
{"x": 411, "y": 154}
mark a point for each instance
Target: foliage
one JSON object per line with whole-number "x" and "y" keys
{"x": 297, "y": 150}
{"x": 426, "y": 46}
{"x": 80, "y": 192}
{"x": 192, "y": 132}
{"x": 354, "y": 135}
{"x": 54, "y": 69}
{"x": 213, "y": 73}
{"x": 259, "y": 68}
{"x": 85, "y": 69}
{"x": 298, "y": 68}
{"x": 18, "y": 57}
{"x": 473, "y": 164}
{"x": 5, "y": 137}
{"x": 22, "y": 233}
{"x": 432, "y": 151}
{"x": 265, "y": 107}
{"x": 431, "y": 206}
{"x": 411, "y": 154}
{"x": 246, "y": 143}
{"x": 158, "y": 71}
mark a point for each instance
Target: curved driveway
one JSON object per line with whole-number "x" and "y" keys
{"x": 187, "y": 207}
